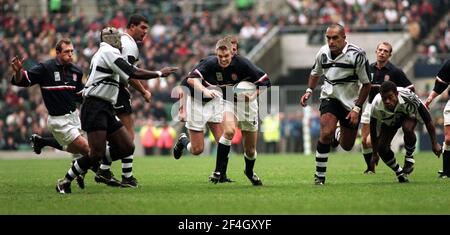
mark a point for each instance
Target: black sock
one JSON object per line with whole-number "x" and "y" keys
{"x": 223, "y": 149}
{"x": 368, "y": 158}
{"x": 50, "y": 141}
{"x": 446, "y": 162}
{"x": 83, "y": 164}
{"x": 249, "y": 165}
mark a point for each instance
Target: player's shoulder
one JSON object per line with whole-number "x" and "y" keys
{"x": 355, "y": 50}
{"x": 209, "y": 60}
{"x": 128, "y": 41}
{"x": 76, "y": 69}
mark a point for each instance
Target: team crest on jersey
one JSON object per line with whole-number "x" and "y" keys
{"x": 234, "y": 77}
{"x": 387, "y": 77}
{"x": 74, "y": 77}
{"x": 219, "y": 77}
{"x": 57, "y": 76}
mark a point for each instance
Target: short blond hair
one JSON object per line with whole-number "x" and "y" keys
{"x": 231, "y": 38}
{"x": 224, "y": 44}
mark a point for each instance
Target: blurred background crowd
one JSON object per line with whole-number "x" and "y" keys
{"x": 181, "y": 33}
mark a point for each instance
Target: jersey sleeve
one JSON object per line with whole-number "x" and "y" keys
{"x": 317, "y": 69}
{"x": 256, "y": 74}
{"x": 115, "y": 61}
{"x": 31, "y": 76}
{"x": 401, "y": 80}
{"x": 442, "y": 78}
{"x": 129, "y": 52}
{"x": 362, "y": 67}
{"x": 374, "y": 111}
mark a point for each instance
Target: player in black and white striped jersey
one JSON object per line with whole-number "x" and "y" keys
{"x": 98, "y": 117}
{"x": 393, "y": 108}
{"x": 136, "y": 30}
{"x": 346, "y": 72}
{"x": 442, "y": 82}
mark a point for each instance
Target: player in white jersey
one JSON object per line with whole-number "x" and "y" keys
{"x": 346, "y": 72}
{"x": 382, "y": 70}
{"x": 136, "y": 30}
{"x": 98, "y": 117}
{"x": 393, "y": 108}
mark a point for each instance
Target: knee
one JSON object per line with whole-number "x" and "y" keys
{"x": 196, "y": 150}
{"x": 85, "y": 149}
{"x": 250, "y": 151}
{"x": 128, "y": 149}
{"x": 366, "y": 142}
{"x": 347, "y": 147}
{"x": 447, "y": 139}
{"x": 229, "y": 133}
{"x": 326, "y": 135}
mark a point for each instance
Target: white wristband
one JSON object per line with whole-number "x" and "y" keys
{"x": 309, "y": 90}
{"x": 356, "y": 109}
{"x": 159, "y": 73}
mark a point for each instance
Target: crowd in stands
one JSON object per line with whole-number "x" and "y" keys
{"x": 179, "y": 35}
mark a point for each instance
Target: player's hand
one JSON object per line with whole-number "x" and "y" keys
{"x": 437, "y": 149}
{"x": 353, "y": 118}
{"x": 16, "y": 64}
{"x": 428, "y": 102}
{"x": 147, "y": 96}
{"x": 305, "y": 98}
{"x": 211, "y": 93}
{"x": 168, "y": 70}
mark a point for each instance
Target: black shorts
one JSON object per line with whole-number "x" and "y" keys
{"x": 123, "y": 104}
{"x": 98, "y": 115}
{"x": 335, "y": 107}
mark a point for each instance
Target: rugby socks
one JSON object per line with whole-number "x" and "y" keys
{"x": 390, "y": 161}
{"x": 249, "y": 163}
{"x": 321, "y": 159}
{"x": 446, "y": 160}
{"x": 51, "y": 141}
{"x": 367, "y": 153}
{"x": 127, "y": 166}
{"x": 223, "y": 149}
{"x": 80, "y": 166}
{"x": 409, "y": 157}
{"x": 106, "y": 160}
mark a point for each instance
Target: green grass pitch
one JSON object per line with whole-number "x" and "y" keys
{"x": 181, "y": 187}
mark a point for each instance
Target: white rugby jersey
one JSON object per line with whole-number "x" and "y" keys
{"x": 106, "y": 70}
{"x": 130, "y": 51}
{"x": 343, "y": 75}
{"x": 409, "y": 105}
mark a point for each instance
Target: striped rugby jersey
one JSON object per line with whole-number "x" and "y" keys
{"x": 409, "y": 105}
{"x": 343, "y": 75}
{"x": 107, "y": 68}
{"x": 130, "y": 51}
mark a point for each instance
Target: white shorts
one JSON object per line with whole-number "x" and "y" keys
{"x": 65, "y": 128}
{"x": 246, "y": 114}
{"x": 365, "y": 117}
{"x": 447, "y": 114}
{"x": 198, "y": 114}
